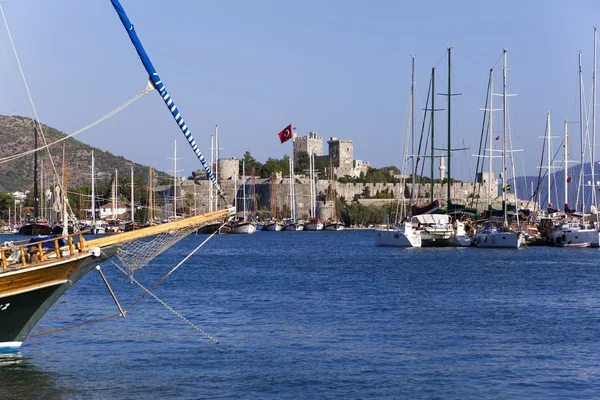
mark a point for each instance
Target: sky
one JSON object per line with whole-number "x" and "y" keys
{"x": 340, "y": 68}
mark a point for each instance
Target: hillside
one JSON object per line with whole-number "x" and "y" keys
{"x": 17, "y": 137}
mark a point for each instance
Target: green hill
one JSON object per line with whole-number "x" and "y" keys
{"x": 17, "y": 134}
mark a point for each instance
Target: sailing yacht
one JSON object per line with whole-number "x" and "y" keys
{"x": 404, "y": 234}
{"x": 314, "y": 224}
{"x": 96, "y": 228}
{"x": 493, "y": 233}
{"x": 33, "y": 276}
{"x": 242, "y": 225}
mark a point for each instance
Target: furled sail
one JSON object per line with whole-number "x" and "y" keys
{"x": 159, "y": 85}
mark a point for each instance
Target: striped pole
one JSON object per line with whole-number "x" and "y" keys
{"x": 155, "y": 79}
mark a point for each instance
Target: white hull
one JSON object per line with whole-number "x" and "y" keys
{"x": 575, "y": 237}
{"x": 437, "y": 230}
{"x": 313, "y": 226}
{"x": 397, "y": 237}
{"x": 244, "y": 228}
{"x": 273, "y": 227}
{"x": 498, "y": 239}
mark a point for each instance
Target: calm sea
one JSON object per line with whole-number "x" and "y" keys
{"x": 319, "y": 315}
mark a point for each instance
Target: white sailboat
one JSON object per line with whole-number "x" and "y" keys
{"x": 404, "y": 234}
{"x": 497, "y": 234}
{"x": 314, "y": 224}
{"x": 293, "y": 224}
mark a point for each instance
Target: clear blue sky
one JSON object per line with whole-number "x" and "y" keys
{"x": 341, "y": 68}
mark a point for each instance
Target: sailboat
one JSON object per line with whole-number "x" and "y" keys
{"x": 315, "y": 223}
{"x": 33, "y": 276}
{"x": 334, "y": 223}
{"x": 573, "y": 232}
{"x": 243, "y": 226}
{"x": 437, "y": 228}
{"x": 36, "y": 227}
{"x": 273, "y": 225}
{"x": 293, "y": 223}
{"x": 96, "y": 228}
{"x": 404, "y": 234}
{"x": 498, "y": 234}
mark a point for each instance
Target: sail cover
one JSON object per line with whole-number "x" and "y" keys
{"x": 159, "y": 85}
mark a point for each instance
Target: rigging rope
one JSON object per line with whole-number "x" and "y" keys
{"x": 139, "y": 299}
{"x": 96, "y": 122}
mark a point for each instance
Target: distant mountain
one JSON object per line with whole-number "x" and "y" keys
{"x": 528, "y": 184}
{"x": 17, "y": 136}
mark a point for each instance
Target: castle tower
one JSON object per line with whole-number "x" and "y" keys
{"x": 342, "y": 154}
{"x": 313, "y": 141}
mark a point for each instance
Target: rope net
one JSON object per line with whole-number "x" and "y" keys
{"x": 136, "y": 254}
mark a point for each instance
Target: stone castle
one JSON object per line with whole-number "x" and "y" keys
{"x": 343, "y": 162}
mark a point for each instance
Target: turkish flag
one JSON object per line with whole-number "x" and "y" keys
{"x": 497, "y": 137}
{"x": 285, "y": 134}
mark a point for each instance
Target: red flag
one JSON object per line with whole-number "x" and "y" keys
{"x": 286, "y": 134}
{"x": 497, "y": 137}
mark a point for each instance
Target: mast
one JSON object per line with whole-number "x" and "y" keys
{"x": 310, "y": 181}
{"x": 581, "y": 172}
{"x": 432, "y": 128}
{"x": 449, "y": 127}
{"x": 116, "y": 195}
{"x": 244, "y": 186}
{"x": 35, "y": 182}
{"x": 217, "y": 163}
{"x": 593, "y": 163}
{"x": 253, "y": 194}
{"x": 491, "y": 138}
{"x": 549, "y": 156}
{"x": 273, "y": 196}
{"x": 159, "y": 85}
{"x": 293, "y": 180}
{"x": 65, "y": 230}
{"x": 504, "y": 106}
{"x": 93, "y": 193}
{"x": 566, "y": 164}
{"x": 212, "y": 160}
{"x": 132, "y": 200}
{"x": 412, "y": 130}
{"x": 175, "y": 178}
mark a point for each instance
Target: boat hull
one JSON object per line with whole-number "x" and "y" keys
{"x": 502, "y": 240}
{"x": 575, "y": 237}
{"x": 293, "y": 227}
{"x": 397, "y": 238}
{"x": 313, "y": 226}
{"x": 244, "y": 228}
{"x": 40, "y": 228}
{"x": 27, "y": 294}
{"x": 333, "y": 227}
{"x": 273, "y": 227}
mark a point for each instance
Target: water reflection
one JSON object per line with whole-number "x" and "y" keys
{"x": 20, "y": 379}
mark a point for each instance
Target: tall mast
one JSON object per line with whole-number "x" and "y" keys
{"x": 244, "y": 186}
{"x": 412, "y": 130}
{"x": 293, "y": 180}
{"x": 273, "y": 196}
{"x": 491, "y": 138}
{"x": 151, "y": 195}
{"x": 566, "y": 164}
{"x": 175, "y": 178}
{"x": 132, "y": 199}
{"x": 581, "y": 172}
{"x": 504, "y": 107}
{"x": 217, "y": 163}
{"x": 35, "y": 181}
{"x": 212, "y": 160}
{"x": 93, "y": 193}
{"x": 449, "y": 126}
{"x": 549, "y": 156}
{"x": 159, "y": 85}
{"x": 65, "y": 230}
{"x": 432, "y": 128}
{"x": 593, "y": 163}
{"x": 116, "y": 195}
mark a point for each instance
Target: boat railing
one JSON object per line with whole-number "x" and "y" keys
{"x": 22, "y": 253}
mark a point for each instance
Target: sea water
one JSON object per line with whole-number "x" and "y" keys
{"x": 325, "y": 315}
